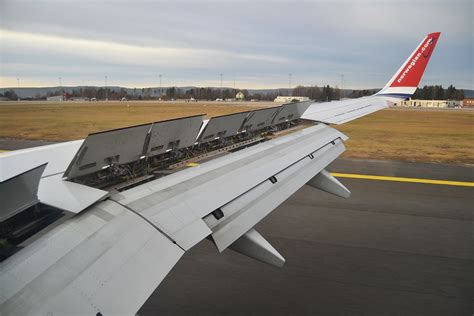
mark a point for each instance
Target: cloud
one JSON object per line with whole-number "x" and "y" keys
{"x": 194, "y": 41}
{"x": 122, "y": 53}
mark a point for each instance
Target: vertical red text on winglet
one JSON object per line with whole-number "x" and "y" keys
{"x": 412, "y": 71}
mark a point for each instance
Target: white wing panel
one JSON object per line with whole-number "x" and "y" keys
{"x": 58, "y": 157}
{"x": 108, "y": 261}
{"x": 338, "y": 112}
{"x": 66, "y": 195}
{"x": 178, "y": 202}
{"x": 241, "y": 214}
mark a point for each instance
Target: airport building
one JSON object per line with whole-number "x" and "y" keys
{"x": 468, "y": 102}
{"x": 430, "y": 103}
{"x": 55, "y": 98}
{"x": 240, "y": 96}
{"x": 286, "y": 99}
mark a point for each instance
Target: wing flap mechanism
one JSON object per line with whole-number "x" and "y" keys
{"x": 253, "y": 245}
{"x": 326, "y": 182}
{"x": 245, "y": 211}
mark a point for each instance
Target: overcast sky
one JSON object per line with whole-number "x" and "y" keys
{"x": 254, "y": 43}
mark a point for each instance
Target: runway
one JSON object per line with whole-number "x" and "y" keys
{"x": 393, "y": 248}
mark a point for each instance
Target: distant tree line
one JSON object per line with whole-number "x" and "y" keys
{"x": 10, "y": 95}
{"x": 328, "y": 93}
{"x": 324, "y": 93}
{"x": 438, "y": 93}
{"x": 361, "y": 93}
{"x": 201, "y": 93}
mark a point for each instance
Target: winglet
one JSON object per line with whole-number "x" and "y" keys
{"x": 405, "y": 81}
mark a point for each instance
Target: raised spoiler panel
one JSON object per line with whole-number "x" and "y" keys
{"x": 177, "y": 203}
{"x": 259, "y": 119}
{"x": 173, "y": 134}
{"x": 222, "y": 126}
{"x": 291, "y": 111}
{"x": 124, "y": 145}
{"x": 19, "y": 192}
{"x": 99, "y": 150}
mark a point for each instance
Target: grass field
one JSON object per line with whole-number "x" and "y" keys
{"x": 397, "y": 134}
{"x": 74, "y": 120}
{"x": 423, "y": 135}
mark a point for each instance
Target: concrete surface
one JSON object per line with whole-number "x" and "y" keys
{"x": 15, "y": 144}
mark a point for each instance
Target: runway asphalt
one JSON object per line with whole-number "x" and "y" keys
{"x": 392, "y": 248}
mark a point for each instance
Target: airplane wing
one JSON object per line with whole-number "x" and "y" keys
{"x": 93, "y": 226}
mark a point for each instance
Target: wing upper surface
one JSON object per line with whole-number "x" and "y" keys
{"x": 107, "y": 260}
{"x": 111, "y": 257}
{"x": 177, "y": 204}
{"x": 339, "y": 112}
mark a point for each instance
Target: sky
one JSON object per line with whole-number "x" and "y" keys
{"x": 253, "y": 44}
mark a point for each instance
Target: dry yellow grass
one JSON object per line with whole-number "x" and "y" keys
{"x": 426, "y": 135}
{"x": 73, "y": 120}
{"x": 396, "y": 134}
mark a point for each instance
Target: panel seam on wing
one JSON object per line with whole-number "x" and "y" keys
{"x": 151, "y": 223}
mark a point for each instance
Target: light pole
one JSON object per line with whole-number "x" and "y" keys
{"x": 342, "y": 86}
{"x": 289, "y": 83}
{"x": 161, "y": 91}
{"x": 18, "y": 82}
{"x": 222, "y": 92}
{"x": 61, "y": 89}
{"x": 106, "y": 91}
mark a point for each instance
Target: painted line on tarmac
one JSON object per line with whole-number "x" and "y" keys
{"x": 401, "y": 179}
{"x": 192, "y": 164}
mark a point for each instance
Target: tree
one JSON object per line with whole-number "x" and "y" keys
{"x": 11, "y": 95}
{"x": 438, "y": 93}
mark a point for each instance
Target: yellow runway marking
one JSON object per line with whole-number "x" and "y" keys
{"x": 400, "y": 179}
{"x": 192, "y": 164}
